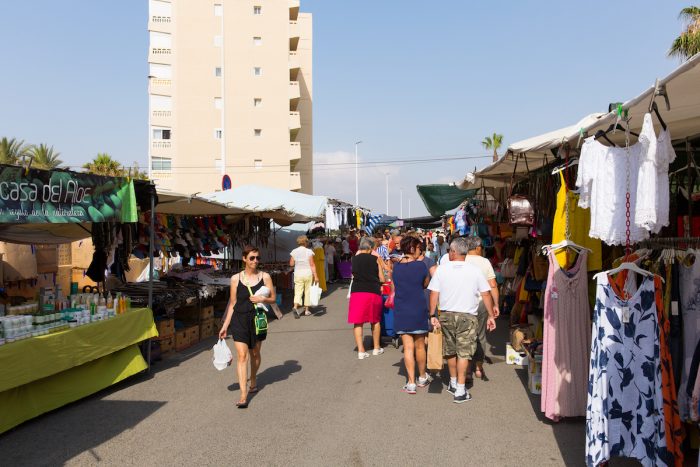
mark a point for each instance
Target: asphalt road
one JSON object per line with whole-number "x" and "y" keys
{"x": 318, "y": 405}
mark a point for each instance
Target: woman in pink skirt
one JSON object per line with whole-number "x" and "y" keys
{"x": 365, "y": 296}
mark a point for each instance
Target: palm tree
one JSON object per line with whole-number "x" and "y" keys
{"x": 45, "y": 157}
{"x": 688, "y": 43}
{"x": 12, "y": 150}
{"x": 493, "y": 142}
{"x": 103, "y": 164}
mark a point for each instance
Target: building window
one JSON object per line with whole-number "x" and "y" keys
{"x": 257, "y": 40}
{"x": 257, "y": 132}
{"x": 218, "y": 133}
{"x": 161, "y": 133}
{"x": 217, "y": 72}
{"x": 257, "y": 10}
{"x": 257, "y": 102}
{"x": 218, "y": 9}
{"x": 257, "y": 71}
{"x": 218, "y": 103}
{"x": 163, "y": 164}
{"x": 218, "y": 41}
{"x": 257, "y": 163}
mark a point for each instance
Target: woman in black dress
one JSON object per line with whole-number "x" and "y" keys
{"x": 240, "y": 314}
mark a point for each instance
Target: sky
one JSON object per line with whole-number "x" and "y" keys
{"x": 413, "y": 80}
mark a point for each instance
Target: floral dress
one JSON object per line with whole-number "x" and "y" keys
{"x": 624, "y": 412}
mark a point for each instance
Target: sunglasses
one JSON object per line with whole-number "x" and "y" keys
{"x": 253, "y": 258}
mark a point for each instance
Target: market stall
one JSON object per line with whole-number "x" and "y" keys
{"x": 596, "y": 239}
{"x": 61, "y": 347}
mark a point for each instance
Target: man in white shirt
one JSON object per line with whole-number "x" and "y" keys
{"x": 455, "y": 290}
{"x": 440, "y": 247}
{"x": 346, "y": 249}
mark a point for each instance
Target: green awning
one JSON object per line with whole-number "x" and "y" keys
{"x": 439, "y": 199}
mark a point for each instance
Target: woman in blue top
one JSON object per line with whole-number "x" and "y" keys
{"x": 411, "y": 319}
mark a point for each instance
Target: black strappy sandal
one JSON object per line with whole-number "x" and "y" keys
{"x": 242, "y": 405}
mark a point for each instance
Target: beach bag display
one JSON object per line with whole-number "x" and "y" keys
{"x": 508, "y": 268}
{"x": 521, "y": 211}
{"x": 222, "y": 355}
{"x": 435, "y": 359}
{"x": 315, "y": 294}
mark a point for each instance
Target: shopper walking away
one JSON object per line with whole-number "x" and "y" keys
{"x": 475, "y": 257}
{"x": 411, "y": 320}
{"x": 330, "y": 261}
{"x": 353, "y": 242}
{"x": 246, "y": 294}
{"x": 302, "y": 259}
{"x": 455, "y": 290}
{"x": 346, "y": 249}
{"x": 365, "y": 297}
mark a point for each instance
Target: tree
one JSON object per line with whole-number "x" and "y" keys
{"x": 45, "y": 157}
{"x": 103, "y": 164}
{"x": 688, "y": 43}
{"x": 493, "y": 142}
{"x": 137, "y": 173}
{"x": 12, "y": 150}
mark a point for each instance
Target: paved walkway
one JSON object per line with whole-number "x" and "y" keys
{"x": 318, "y": 405}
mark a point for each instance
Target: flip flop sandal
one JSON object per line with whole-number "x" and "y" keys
{"x": 242, "y": 405}
{"x": 253, "y": 390}
{"x": 307, "y": 313}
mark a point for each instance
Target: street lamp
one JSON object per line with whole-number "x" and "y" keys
{"x": 357, "y": 190}
{"x": 387, "y": 193}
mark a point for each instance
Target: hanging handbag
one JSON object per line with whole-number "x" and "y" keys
{"x": 540, "y": 266}
{"x": 520, "y": 208}
{"x": 508, "y": 268}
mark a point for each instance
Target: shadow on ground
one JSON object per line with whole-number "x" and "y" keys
{"x": 72, "y": 432}
{"x": 273, "y": 374}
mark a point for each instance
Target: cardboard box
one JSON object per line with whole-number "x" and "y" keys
{"x": 534, "y": 383}
{"x": 207, "y": 329}
{"x": 206, "y": 312}
{"x": 513, "y": 357}
{"x": 167, "y": 344}
{"x": 192, "y": 334}
{"x": 188, "y": 314}
{"x": 166, "y": 327}
{"x": 182, "y": 340}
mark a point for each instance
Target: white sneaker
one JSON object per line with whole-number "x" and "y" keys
{"x": 362, "y": 355}
{"x": 378, "y": 351}
{"x": 423, "y": 382}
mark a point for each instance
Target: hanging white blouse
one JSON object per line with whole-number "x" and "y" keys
{"x": 602, "y": 179}
{"x": 653, "y": 197}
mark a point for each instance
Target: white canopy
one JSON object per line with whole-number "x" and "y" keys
{"x": 682, "y": 87}
{"x": 193, "y": 205}
{"x": 285, "y": 207}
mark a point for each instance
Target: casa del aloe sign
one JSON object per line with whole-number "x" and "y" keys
{"x": 57, "y": 196}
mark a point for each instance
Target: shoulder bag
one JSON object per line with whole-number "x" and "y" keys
{"x": 260, "y": 318}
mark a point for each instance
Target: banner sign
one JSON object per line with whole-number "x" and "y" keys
{"x": 55, "y": 196}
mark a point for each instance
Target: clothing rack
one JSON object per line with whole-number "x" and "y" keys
{"x": 671, "y": 242}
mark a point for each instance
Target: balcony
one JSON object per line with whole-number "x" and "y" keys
{"x": 294, "y": 92}
{"x": 293, "y": 60}
{"x": 160, "y": 86}
{"x": 160, "y": 55}
{"x": 161, "y": 148}
{"x": 294, "y": 30}
{"x": 295, "y": 181}
{"x": 294, "y": 120}
{"x": 294, "y": 151}
{"x": 160, "y": 23}
{"x": 161, "y": 117}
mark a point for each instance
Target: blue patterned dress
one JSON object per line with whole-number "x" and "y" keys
{"x": 624, "y": 413}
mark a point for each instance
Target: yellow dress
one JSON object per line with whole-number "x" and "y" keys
{"x": 579, "y": 225}
{"x": 320, "y": 262}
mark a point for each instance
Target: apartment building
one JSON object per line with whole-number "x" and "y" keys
{"x": 230, "y": 92}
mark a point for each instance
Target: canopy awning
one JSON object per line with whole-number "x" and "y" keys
{"x": 192, "y": 205}
{"x": 682, "y": 86}
{"x": 441, "y": 198}
{"x": 285, "y": 207}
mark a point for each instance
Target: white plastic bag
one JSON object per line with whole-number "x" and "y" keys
{"x": 315, "y": 294}
{"x": 222, "y": 355}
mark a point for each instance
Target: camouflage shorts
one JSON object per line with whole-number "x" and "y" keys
{"x": 458, "y": 334}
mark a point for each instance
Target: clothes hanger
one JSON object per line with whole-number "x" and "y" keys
{"x": 627, "y": 266}
{"x": 655, "y": 108}
{"x": 565, "y": 244}
{"x": 565, "y": 166}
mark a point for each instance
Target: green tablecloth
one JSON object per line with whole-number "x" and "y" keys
{"x": 43, "y": 373}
